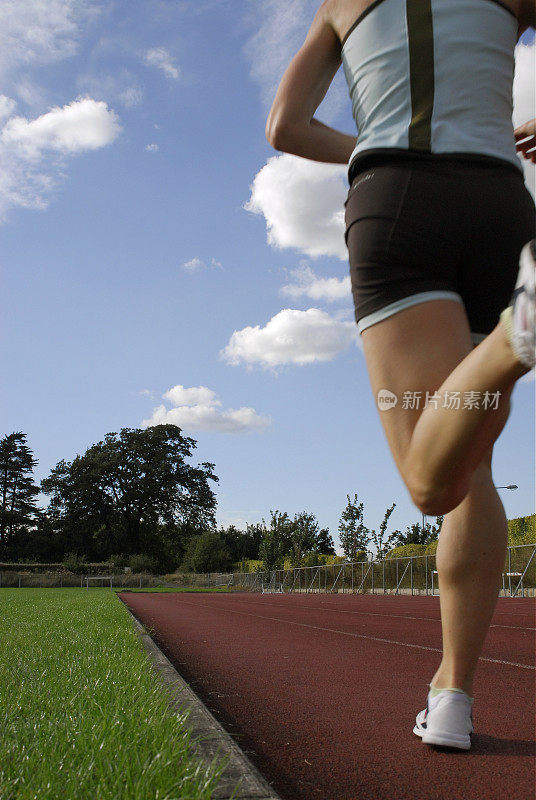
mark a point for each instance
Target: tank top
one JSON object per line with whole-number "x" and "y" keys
{"x": 432, "y": 78}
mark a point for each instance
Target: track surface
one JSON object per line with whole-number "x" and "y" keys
{"x": 321, "y": 691}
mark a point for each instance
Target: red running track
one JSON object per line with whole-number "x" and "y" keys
{"x": 322, "y": 691}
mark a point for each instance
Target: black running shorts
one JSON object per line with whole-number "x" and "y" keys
{"x": 420, "y": 229}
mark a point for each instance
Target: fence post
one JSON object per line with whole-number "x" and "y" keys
{"x": 140, "y": 581}
{"x": 426, "y": 568}
{"x": 383, "y": 576}
{"x": 352, "y": 577}
{"x": 411, "y": 575}
{"x": 372, "y": 590}
{"x": 19, "y": 580}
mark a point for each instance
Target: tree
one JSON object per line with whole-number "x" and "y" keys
{"x": 303, "y": 536}
{"x": 18, "y": 510}
{"x": 380, "y": 540}
{"x": 417, "y": 534}
{"x": 243, "y": 545}
{"x": 207, "y": 553}
{"x": 325, "y": 542}
{"x": 276, "y": 540}
{"x": 353, "y": 534}
{"x": 127, "y": 490}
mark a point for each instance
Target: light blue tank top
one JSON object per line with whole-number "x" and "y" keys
{"x": 432, "y": 77}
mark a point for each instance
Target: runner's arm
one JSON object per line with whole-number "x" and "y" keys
{"x": 290, "y": 126}
{"x": 526, "y": 140}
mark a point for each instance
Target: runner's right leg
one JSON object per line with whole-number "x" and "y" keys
{"x": 419, "y": 350}
{"x": 427, "y": 348}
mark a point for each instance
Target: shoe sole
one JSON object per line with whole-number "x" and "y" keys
{"x": 443, "y": 739}
{"x": 446, "y": 740}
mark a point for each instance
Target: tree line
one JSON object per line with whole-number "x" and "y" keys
{"x": 135, "y": 499}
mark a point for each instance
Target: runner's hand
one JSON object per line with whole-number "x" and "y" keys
{"x": 526, "y": 140}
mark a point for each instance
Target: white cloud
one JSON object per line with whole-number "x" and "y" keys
{"x": 32, "y": 152}
{"x": 308, "y": 284}
{"x": 525, "y": 99}
{"x": 84, "y": 124}
{"x": 196, "y": 395}
{"x": 199, "y": 409}
{"x": 291, "y": 337}
{"x": 35, "y": 97}
{"x": 152, "y": 148}
{"x": 280, "y": 30}
{"x": 197, "y": 264}
{"x": 193, "y": 265}
{"x": 40, "y": 31}
{"x": 7, "y": 107}
{"x": 159, "y": 57}
{"x": 302, "y": 202}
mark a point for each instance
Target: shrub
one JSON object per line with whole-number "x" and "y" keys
{"x": 408, "y": 550}
{"x": 431, "y": 548}
{"x": 522, "y": 530}
{"x": 140, "y": 562}
{"x": 75, "y": 563}
{"x": 118, "y": 562}
{"x": 246, "y": 565}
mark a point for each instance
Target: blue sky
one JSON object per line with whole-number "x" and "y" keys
{"x": 161, "y": 262}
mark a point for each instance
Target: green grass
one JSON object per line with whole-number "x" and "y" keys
{"x": 82, "y": 714}
{"x": 177, "y": 589}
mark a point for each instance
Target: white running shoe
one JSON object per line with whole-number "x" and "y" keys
{"x": 519, "y": 318}
{"x": 447, "y": 720}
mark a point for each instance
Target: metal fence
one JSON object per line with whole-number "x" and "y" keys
{"x": 57, "y": 580}
{"x": 48, "y": 579}
{"x": 409, "y": 575}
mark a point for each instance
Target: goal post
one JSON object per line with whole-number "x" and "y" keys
{"x": 89, "y": 578}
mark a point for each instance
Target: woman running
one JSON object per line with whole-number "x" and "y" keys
{"x": 437, "y": 215}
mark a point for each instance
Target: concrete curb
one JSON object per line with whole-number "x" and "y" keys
{"x": 240, "y": 779}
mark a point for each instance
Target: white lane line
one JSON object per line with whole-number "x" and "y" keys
{"x": 357, "y": 635}
{"x": 396, "y": 616}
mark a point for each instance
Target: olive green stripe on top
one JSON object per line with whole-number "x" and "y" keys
{"x": 421, "y": 72}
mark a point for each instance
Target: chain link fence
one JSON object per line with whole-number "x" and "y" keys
{"x": 409, "y": 575}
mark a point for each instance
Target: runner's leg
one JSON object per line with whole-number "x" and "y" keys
{"x": 470, "y": 559}
{"x": 427, "y": 348}
{"x": 418, "y": 350}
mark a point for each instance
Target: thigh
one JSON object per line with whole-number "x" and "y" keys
{"x": 409, "y": 355}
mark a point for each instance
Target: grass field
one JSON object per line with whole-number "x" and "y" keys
{"x": 212, "y": 590}
{"x": 82, "y": 714}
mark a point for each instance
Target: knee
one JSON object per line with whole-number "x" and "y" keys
{"x": 435, "y": 498}
{"x": 438, "y": 497}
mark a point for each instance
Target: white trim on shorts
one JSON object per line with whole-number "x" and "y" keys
{"x": 407, "y": 302}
